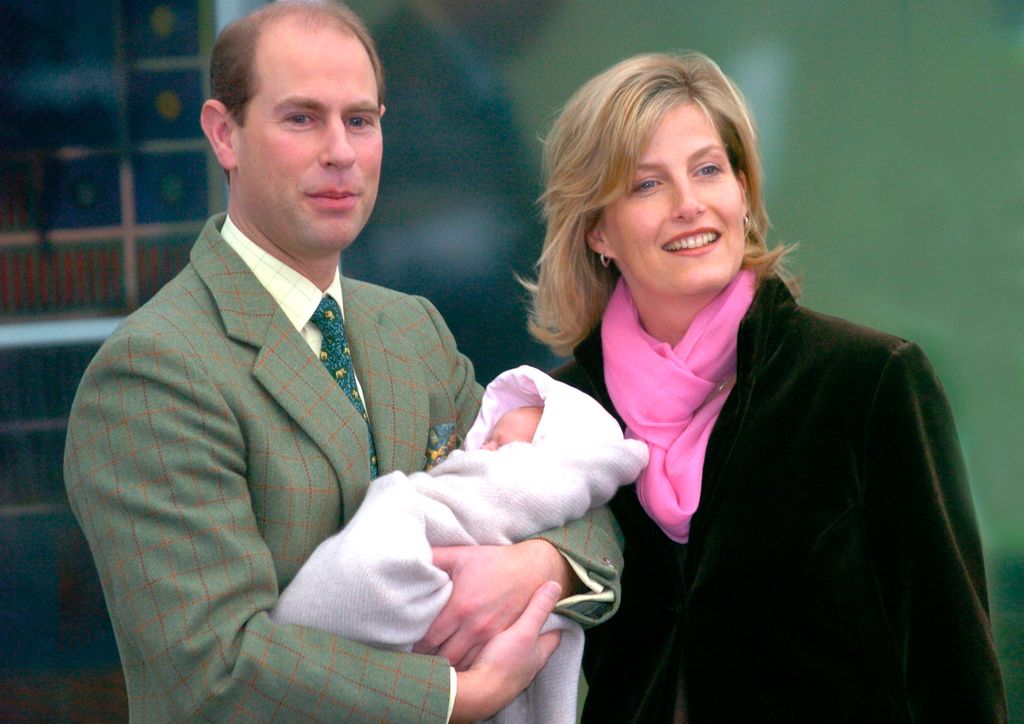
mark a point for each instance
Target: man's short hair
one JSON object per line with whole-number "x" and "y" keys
{"x": 232, "y": 76}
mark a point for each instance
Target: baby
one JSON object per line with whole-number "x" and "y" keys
{"x": 539, "y": 455}
{"x": 517, "y": 425}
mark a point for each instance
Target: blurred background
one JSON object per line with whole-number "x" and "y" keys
{"x": 893, "y": 135}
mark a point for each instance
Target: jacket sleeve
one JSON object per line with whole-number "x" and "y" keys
{"x": 156, "y": 467}
{"x": 925, "y": 547}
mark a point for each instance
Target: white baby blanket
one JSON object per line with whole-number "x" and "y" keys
{"x": 374, "y": 581}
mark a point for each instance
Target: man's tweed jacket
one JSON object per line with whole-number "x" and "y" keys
{"x": 209, "y": 453}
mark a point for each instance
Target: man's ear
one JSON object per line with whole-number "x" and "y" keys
{"x": 219, "y": 127}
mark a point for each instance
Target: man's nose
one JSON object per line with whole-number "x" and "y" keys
{"x": 337, "y": 150}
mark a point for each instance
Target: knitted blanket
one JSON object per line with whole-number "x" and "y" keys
{"x": 374, "y": 581}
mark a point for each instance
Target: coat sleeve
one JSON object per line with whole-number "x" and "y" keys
{"x": 155, "y": 469}
{"x": 925, "y": 547}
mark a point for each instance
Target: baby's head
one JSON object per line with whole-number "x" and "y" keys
{"x": 570, "y": 417}
{"x": 517, "y": 425}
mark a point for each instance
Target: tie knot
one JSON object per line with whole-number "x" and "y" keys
{"x": 327, "y": 316}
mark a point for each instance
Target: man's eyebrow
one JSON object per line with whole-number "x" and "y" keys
{"x": 366, "y": 107}
{"x": 311, "y": 104}
{"x": 300, "y": 102}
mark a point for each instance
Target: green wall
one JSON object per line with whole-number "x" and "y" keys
{"x": 894, "y": 151}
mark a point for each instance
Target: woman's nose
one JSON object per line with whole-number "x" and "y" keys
{"x": 688, "y": 205}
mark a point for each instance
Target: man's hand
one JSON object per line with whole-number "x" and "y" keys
{"x": 509, "y": 662}
{"x": 492, "y": 586}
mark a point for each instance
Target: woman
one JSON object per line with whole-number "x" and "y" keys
{"x": 802, "y": 546}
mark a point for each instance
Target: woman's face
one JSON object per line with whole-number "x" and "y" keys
{"x": 677, "y": 235}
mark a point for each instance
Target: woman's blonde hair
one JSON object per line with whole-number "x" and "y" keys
{"x": 590, "y": 157}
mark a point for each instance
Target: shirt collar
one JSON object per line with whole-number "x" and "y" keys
{"x": 297, "y": 296}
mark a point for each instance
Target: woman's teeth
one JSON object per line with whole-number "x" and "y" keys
{"x": 691, "y": 242}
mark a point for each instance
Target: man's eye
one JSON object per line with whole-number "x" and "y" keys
{"x": 299, "y": 118}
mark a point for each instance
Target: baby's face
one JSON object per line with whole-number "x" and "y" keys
{"x": 516, "y": 425}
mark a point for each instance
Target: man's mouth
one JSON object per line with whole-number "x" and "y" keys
{"x": 331, "y": 194}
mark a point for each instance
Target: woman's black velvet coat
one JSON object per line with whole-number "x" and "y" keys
{"x": 834, "y": 571}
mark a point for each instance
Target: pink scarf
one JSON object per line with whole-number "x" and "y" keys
{"x": 667, "y": 395}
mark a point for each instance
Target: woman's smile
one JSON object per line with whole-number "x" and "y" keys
{"x": 692, "y": 241}
{"x": 685, "y": 200}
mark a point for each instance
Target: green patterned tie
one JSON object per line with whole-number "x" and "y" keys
{"x": 337, "y": 358}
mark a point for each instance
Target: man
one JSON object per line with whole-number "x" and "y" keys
{"x": 209, "y": 451}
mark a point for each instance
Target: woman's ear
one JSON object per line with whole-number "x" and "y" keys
{"x": 596, "y": 241}
{"x": 219, "y": 127}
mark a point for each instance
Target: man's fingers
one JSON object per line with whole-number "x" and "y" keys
{"x": 547, "y": 644}
{"x": 469, "y": 658}
{"x": 445, "y": 558}
{"x": 539, "y": 608}
{"x": 468, "y": 637}
{"x": 454, "y": 649}
{"x": 446, "y": 623}
{"x": 439, "y": 632}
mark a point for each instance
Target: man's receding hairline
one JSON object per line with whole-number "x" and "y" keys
{"x": 312, "y": 21}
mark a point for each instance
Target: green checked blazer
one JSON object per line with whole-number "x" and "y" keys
{"x": 209, "y": 452}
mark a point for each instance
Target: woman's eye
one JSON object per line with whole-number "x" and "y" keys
{"x": 710, "y": 169}
{"x": 645, "y": 185}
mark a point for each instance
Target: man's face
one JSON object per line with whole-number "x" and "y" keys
{"x": 305, "y": 166}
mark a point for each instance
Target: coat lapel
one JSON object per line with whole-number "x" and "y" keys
{"x": 396, "y": 394}
{"x": 283, "y": 364}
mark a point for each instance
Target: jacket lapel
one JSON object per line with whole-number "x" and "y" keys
{"x": 284, "y": 365}
{"x": 395, "y": 393}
